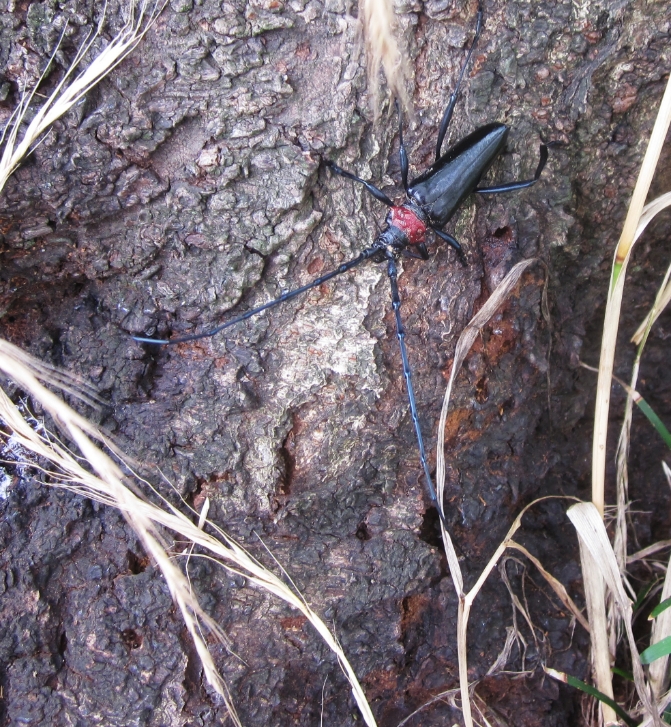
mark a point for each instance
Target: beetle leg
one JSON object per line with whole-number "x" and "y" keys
{"x": 447, "y": 116}
{"x": 402, "y": 153}
{"x": 511, "y": 186}
{"x": 407, "y": 373}
{"x": 421, "y": 249}
{"x": 423, "y": 252}
{"x": 453, "y": 242}
{"x": 377, "y": 193}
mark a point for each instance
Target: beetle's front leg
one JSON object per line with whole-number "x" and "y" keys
{"x": 421, "y": 249}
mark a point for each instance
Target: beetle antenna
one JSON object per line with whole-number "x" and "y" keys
{"x": 402, "y": 153}
{"x": 392, "y": 272}
{"x": 363, "y": 256}
{"x": 447, "y": 116}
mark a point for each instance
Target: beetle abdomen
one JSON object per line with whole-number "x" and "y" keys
{"x": 442, "y": 188}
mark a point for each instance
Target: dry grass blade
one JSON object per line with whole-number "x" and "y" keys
{"x": 595, "y": 598}
{"x": 464, "y": 344}
{"x": 664, "y": 296}
{"x": 606, "y": 361}
{"x": 647, "y": 552}
{"x": 614, "y": 303}
{"x": 107, "y": 486}
{"x": 556, "y": 585}
{"x": 466, "y": 602}
{"x": 64, "y": 380}
{"x": 383, "y": 51}
{"x": 69, "y": 91}
{"x": 594, "y": 539}
{"x": 622, "y": 453}
{"x": 661, "y": 628}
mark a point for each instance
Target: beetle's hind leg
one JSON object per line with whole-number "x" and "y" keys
{"x": 377, "y": 193}
{"x": 447, "y": 116}
{"x": 512, "y": 186}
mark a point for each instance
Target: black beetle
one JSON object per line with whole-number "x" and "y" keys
{"x": 431, "y": 201}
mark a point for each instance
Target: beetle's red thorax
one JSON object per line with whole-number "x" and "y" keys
{"x": 408, "y": 222}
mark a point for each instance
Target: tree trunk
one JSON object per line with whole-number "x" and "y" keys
{"x": 187, "y": 188}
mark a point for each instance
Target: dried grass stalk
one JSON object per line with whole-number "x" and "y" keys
{"x": 591, "y": 530}
{"x": 628, "y": 237}
{"x": 633, "y": 227}
{"x": 384, "y": 52}
{"x": 464, "y": 344}
{"x": 647, "y": 552}
{"x": 595, "y": 598}
{"x": 108, "y": 486}
{"x": 661, "y": 628}
{"x": 557, "y": 586}
{"x": 19, "y": 142}
{"x": 622, "y": 453}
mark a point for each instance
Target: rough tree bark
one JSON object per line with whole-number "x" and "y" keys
{"x": 188, "y": 185}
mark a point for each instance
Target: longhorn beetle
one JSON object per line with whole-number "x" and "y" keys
{"x": 431, "y": 200}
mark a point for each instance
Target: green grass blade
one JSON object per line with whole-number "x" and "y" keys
{"x": 643, "y": 595}
{"x": 655, "y": 421}
{"x": 622, "y": 673}
{"x": 656, "y": 651}
{"x": 666, "y": 603}
{"x": 575, "y": 682}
